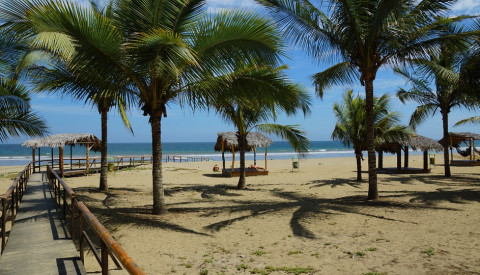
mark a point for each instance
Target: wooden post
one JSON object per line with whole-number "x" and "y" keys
{"x": 104, "y": 257}
{"x": 72, "y": 213}
{"x": 254, "y": 156}
{"x": 33, "y": 158}
{"x": 87, "y": 168}
{"x": 4, "y": 222}
{"x": 71, "y": 158}
{"x": 233, "y": 159}
{"x": 266, "y": 150}
{"x": 405, "y": 161}
{"x": 39, "y": 164}
{"x": 425, "y": 160}
{"x": 471, "y": 149}
{"x": 399, "y": 158}
{"x": 51, "y": 154}
{"x": 223, "y": 153}
{"x": 60, "y": 155}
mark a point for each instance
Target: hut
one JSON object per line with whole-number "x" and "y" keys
{"x": 61, "y": 140}
{"x": 227, "y": 141}
{"x": 416, "y": 142}
{"x": 455, "y": 140}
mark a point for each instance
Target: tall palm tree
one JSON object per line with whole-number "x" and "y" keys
{"x": 364, "y": 36}
{"x": 164, "y": 51}
{"x": 444, "y": 93}
{"x": 351, "y": 126}
{"x": 274, "y": 93}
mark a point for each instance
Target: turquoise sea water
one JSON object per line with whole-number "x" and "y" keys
{"x": 15, "y": 154}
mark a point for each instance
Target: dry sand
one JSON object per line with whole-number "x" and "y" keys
{"x": 315, "y": 219}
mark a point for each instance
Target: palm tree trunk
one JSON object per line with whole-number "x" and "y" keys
{"x": 242, "y": 144}
{"x": 372, "y": 169}
{"x": 159, "y": 206}
{"x": 358, "y": 156}
{"x": 104, "y": 165}
{"x": 447, "y": 141}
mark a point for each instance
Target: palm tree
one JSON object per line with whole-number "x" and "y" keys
{"x": 351, "y": 124}
{"x": 16, "y": 115}
{"x": 364, "y": 36}
{"x": 164, "y": 51}
{"x": 274, "y": 93}
{"x": 444, "y": 94}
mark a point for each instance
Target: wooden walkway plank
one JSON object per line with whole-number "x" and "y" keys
{"x": 39, "y": 242}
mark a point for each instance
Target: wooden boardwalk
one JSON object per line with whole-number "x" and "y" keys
{"x": 39, "y": 242}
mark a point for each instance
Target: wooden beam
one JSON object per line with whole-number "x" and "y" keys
{"x": 60, "y": 153}
{"x": 223, "y": 153}
{"x": 71, "y": 159}
{"x": 425, "y": 160}
{"x": 33, "y": 158}
{"x": 471, "y": 149}
{"x": 233, "y": 159}
{"x": 399, "y": 158}
{"x": 266, "y": 150}
{"x": 405, "y": 160}
{"x": 451, "y": 149}
{"x": 254, "y": 156}
{"x": 380, "y": 159}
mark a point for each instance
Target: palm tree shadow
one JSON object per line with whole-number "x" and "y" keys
{"x": 335, "y": 183}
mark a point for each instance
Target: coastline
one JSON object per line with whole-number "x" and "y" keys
{"x": 316, "y": 218}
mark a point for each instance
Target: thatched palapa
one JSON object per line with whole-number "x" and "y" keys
{"x": 60, "y": 140}
{"x": 457, "y": 138}
{"x": 254, "y": 140}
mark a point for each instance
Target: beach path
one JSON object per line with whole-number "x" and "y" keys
{"x": 39, "y": 242}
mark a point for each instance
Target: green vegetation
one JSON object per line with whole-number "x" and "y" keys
{"x": 429, "y": 252}
{"x": 259, "y": 252}
{"x": 242, "y": 266}
{"x": 372, "y": 249}
{"x": 203, "y": 272}
{"x": 373, "y": 273}
{"x": 294, "y": 252}
{"x": 188, "y": 265}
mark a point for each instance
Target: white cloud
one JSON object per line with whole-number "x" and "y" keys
{"x": 232, "y": 4}
{"x": 466, "y": 6}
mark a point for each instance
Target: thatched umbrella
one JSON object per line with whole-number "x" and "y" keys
{"x": 417, "y": 142}
{"x": 60, "y": 140}
{"x": 455, "y": 139}
{"x": 230, "y": 140}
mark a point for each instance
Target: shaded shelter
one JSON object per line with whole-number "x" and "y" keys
{"x": 61, "y": 140}
{"x": 416, "y": 142}
{"x": 455, "y": 140}
{"x": 228, "y": 141}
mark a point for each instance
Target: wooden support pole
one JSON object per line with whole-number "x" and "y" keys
{"x": 39, "y": 168}
{"x": 266, "y": 150}
{"x": 33, "y": 159}
{"x": 471, "y": 149}
{"x": 71, "y": 157}
{"x": 425, "y": 160}
{"x": 60, "y": 155}
{"x": 405, "y": 161}
{"x": 451, "y": 149}
{"x": 233, "y": 159}
{"x": 399, "y": 158}
{"x": 254, "y": 156}
{"x": 51, "y": 154}
{"x": 223, "y": 153}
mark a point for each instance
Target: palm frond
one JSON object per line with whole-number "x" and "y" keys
{"x": 290, "y": 133}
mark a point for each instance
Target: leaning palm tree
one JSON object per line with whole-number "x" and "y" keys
{"x": 364, "y": 36}
{"x": 445, "y": 93}
{"x": 274, "y": 93}
{"x": 351, "y": 126}
{"x": 162, "y": 50}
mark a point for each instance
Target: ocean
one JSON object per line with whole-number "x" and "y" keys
{"x": 15, "y": 154}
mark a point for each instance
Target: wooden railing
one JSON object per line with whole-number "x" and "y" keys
{"x": 79, "y": 216}
{"x": 11, "y": 201}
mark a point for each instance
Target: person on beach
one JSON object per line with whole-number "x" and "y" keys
{"x": 216, "y": 168}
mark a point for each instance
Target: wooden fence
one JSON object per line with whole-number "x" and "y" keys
{"x": 80, "y": 216}
{"x": 11, "y": 201}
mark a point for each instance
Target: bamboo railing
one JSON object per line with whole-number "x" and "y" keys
{"x": 80, "y": 216}
{"x": 11, "y": 201}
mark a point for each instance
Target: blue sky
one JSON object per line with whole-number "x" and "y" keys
{"x": 66, "y": 116}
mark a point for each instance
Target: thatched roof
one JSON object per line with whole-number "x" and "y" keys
{"x": 60, "y": 140}
{"x": 230, "y": 139}
{"x": 417, "y": 142}
{"x": 460, "y": 137}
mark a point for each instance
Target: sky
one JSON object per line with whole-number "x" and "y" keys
{"x": 64, "y": 115}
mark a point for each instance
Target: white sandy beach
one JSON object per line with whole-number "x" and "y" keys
{"x": 316, "y": 219}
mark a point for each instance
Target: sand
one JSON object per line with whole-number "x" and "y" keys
{"x": 316, "y": 219}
